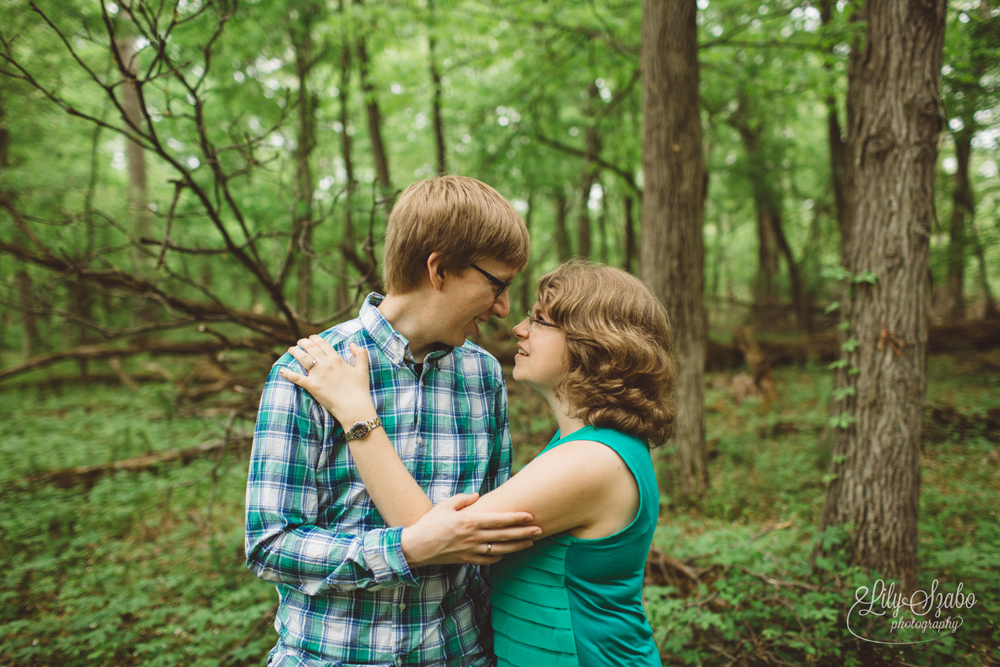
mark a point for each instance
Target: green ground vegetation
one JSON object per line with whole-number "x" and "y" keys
{"x": 146, "y": 567}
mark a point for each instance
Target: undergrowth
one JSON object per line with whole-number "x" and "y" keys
{"x": 146, "y": 568}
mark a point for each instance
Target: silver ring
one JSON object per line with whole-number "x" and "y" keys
{"x": 489, "y": 548}
{"x": 311, "y": 365}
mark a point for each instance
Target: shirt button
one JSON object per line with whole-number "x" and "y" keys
{"x": 402, "y": 606}
{"x": 420, "y": 439}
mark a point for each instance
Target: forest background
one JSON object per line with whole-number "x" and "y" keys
{"x": 189, "y": 186}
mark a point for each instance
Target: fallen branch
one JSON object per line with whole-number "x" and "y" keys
{"x": 165, "y": 348}
{"x": 87, "y": 476}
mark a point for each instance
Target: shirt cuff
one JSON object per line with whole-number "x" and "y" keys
{"x": 383, "y": 549}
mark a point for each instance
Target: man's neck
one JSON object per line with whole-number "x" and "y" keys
{"x": 404, "y": 313}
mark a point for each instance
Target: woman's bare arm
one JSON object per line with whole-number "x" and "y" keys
{"x": 580, "y": 486}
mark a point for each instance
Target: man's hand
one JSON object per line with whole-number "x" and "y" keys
{"x": 446, "y": 535}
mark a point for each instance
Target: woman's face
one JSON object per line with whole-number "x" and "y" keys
{"x": 542, "y": 355}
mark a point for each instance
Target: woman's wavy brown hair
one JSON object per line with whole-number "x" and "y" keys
{"x": 621, "y": 365}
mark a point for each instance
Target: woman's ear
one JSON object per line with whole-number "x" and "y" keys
{"x": 436, "y": 270}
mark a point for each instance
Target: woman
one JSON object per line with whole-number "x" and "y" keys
{"x": 597, "y": 347}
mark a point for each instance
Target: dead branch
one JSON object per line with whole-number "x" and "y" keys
{"x": 162, "y": 348}
{"x": 118, "y": 279}
{"x": 87, "y": 476}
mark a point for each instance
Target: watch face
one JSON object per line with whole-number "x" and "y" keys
{"x": 359, "y": 430}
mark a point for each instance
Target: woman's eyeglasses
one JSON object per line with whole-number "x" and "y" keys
{"x": 532, "y": 321}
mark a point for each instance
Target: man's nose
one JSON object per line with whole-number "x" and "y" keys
{"x": 501, "y": 307}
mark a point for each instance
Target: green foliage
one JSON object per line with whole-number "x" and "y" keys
{"x": 144, "y": 568}
{"x": 755, "y": 590}
{"x": 147, "y": 567}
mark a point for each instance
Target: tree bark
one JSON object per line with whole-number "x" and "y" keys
{"x": 772, "y": 242}
{"x": 835, "y": 140}
{"x": 673, "y": 253}
{"x": 379, "y": 156}
{"x": 588, "y": 176}
{"x": 894, "y": 125}
{"x": 138, "y": 187}
{"x": 302, "y": 222}
{"x": 962, "y": 210}
{"x": 442, "y": 160}
{"x": 563, "y": 247}
{"x": 628, "y": 262}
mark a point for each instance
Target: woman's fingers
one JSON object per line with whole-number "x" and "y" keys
{"x": 360, "y": 357}
{"x": 304, "y": 358}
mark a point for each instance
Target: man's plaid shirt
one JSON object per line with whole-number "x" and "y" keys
{"x": 348, "y": 596}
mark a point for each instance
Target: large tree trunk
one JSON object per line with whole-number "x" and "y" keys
{"x": 673, "y": 254}
{"x": 894, "y": 123}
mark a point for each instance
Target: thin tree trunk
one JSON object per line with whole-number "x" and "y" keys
{"x": 561, "y": 234}
{"x": 894, "y": 122}
{"x": 673, "y": 254}
{"x": 379, "y": 156}
{"x": 989, "y": 303}
{"x": 442, "y": 163}
{"x": 27, "y": 304}
{"x": 799, "y": 300}
{"x": 138, "y": 188}
{"x": 302, "y": 223}
{"x": 962, "y": 210}
{"x": 628, "y": 263}
{"x": 589, "y": 174}
{"x": 772, "y": 242}
{"x": 835, "y": 140}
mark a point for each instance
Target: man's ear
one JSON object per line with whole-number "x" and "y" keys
{"x": 436, "y": 270}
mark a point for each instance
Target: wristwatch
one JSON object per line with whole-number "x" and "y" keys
{"x": 361, "y": 429}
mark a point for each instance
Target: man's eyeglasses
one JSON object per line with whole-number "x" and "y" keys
{"x": 532, "y": 321}
{"x": 499, "y": 284}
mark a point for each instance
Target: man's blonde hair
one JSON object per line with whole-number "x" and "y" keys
{"x": 463, "y": 219}
{"x": 621, "y": 366}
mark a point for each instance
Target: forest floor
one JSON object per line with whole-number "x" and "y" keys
{"x": 143, "y": 565}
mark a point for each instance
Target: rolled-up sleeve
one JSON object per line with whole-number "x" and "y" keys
{"x": 285, "y": 541}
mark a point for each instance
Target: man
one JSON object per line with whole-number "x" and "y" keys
{"x": 354, "y": 592}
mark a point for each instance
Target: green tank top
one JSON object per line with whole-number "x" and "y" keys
{"x": 571, "y": 602}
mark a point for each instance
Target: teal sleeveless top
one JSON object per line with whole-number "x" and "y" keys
{"x": 571, "y": 602}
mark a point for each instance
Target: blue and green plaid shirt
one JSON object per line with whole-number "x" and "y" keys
{"x": 347, "y": 593}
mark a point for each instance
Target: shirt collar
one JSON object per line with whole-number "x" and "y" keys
{"x": 393, "y": 344}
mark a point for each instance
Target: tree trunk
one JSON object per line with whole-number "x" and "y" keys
{"x": 302, "y": 222}
{"x": 442, "y": 162}
{"x": 835, "y": 140}
{"x": 374, "y": 117}
{"x": 561, "y": 234}
{"x": 28, "y": 305}
{"x": 766, "y": 304}
{"x": 894, "y": 124}
{"x": 673, "y": 254}
{"x": 962, "y": 210}
{"x": 989, "y": 303}
{"x": 589, "y": 174}
{"x": 628, "y": 262}
{"x": 138, "y": 188}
